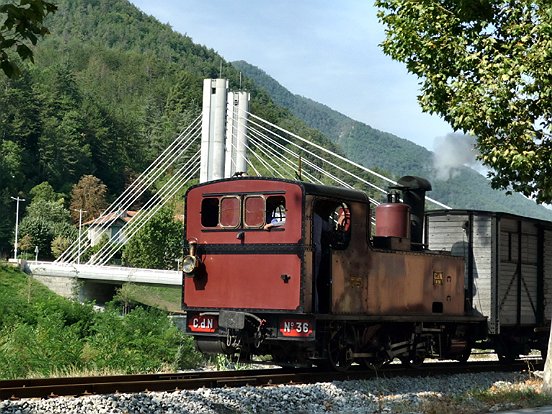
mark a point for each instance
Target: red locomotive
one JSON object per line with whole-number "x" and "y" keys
{"x": 294, "y": 270}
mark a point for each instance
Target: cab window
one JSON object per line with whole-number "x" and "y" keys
{"x": 332, "y": 223}
{"x": 251, "y": 211}
{"x": 210, "y": 212}
{"x": 229, "y": 211}
{"x": 254, "y": 211}
{"x": 275, "y": 210}
{"x": 341, "y": 226}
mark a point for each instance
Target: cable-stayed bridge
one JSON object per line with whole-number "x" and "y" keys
{"x": 226, "y": 139}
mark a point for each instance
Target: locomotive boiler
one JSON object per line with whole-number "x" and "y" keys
{"x": 297, "y": 271}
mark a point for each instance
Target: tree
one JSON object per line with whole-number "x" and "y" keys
{"x": 64, "y": 148}
{"x": 44, "y": 191}
{"x": 20, "y": 118}
{"x": 44, "y": 221}
{"x": 10, "y": 163}
{"x": 26, "y": 243}
{"x": 59, "y": 245}
{"x": 21, "y": 23}
{"x": 64, "y": 145}
{"x": 10, "y": 176}
{"x": 89, "y": 194}
{"x": 157, "y": 245}
{"x": 39, "y": 232}
{"x": 484, "y": 66}
{"x": 48, "y": 211}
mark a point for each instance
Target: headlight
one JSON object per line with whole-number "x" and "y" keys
{"x": 189, "y": 265}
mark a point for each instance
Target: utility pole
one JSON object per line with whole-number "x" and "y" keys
{"x": 80, "y": 210}
{"x": 17, "y": 199}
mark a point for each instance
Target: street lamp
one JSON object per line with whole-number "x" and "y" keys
{"x": 17, "y": 199}
{"x": 80, "y": 210}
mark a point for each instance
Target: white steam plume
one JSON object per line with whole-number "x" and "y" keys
{"x": 452, "y": 152}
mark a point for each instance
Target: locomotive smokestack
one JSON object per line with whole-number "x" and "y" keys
{"x": 413, "y": 194}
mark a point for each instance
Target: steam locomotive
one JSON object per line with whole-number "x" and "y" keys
{"x": 297, "y": 271}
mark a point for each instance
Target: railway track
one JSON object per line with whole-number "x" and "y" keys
{"x": 82, "y": 386}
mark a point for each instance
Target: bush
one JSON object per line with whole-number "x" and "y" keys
{"x": 157, "y": 245}
{"x": 39, "y": 350}
{"x": 42, "y": 334}
{"x": 142, "y": 341}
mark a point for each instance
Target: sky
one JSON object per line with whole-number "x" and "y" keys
{"x": 325, "y": 50}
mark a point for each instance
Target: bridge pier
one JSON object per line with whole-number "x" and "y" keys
{"x": 66, "y": 286}
{"x": 224, "y": 131}
{"x": 71, "y": 287}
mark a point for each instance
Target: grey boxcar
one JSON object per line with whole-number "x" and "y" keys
{"x": 508, "y": 261}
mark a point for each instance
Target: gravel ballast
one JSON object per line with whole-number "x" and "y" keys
{"x": 383, "y": 395}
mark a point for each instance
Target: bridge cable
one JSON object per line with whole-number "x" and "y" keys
{"x": 261, "y": 142}
{"x": 333, "y": 155}
{"x": 328, "y": 162}
{"x": 158, "y": 200}
{"x": 165, "y": 194}
{"x": 140, "y": 185}
{"x": 309, "y": 163}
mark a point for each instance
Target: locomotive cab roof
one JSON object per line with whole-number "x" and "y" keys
{"x": 308, "y": 188}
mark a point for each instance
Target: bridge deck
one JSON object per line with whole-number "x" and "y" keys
{"x": 105, "y": 273}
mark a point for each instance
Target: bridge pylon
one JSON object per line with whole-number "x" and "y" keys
{"x": 223, "y": 133}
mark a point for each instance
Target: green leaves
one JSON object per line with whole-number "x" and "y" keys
{"x": 485, "y": 68}
{"x": 142, "y": 341}
{"x": 43, "y": 334}
{"x": 157, "y": 245}
{"x": 22, "y": 23}
{"x": 44, "y": 220}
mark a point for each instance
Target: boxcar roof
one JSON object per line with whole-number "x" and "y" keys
{"x": 313, "y": 189}
{"x": 497, "y": 214}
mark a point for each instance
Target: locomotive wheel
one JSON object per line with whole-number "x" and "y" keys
{"x": 506, "y": 357}
{"x": 340, "y": 349}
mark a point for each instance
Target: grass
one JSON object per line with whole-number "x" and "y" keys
{"x": 24, "y": 306}
{"x": 519, "y": 395}
{"x": 44, "y": 335}
{"x": 499, "y": 397}
{"x": 13, "y": 282}
{"x": 162, "y": 297}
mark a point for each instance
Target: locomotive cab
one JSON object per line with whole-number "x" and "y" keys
{"x": 330, "y": 232}
{"x": 244, "y": 281}
{"x": 259, "y": 266}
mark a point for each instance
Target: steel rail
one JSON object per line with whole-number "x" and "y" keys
{"x": 82, "y": 386}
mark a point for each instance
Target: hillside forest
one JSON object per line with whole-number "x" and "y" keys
{"x": 109, "y": 90}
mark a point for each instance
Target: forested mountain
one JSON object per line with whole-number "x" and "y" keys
{"x": 111, "y": 87}
{"x": 464, "y": 188}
